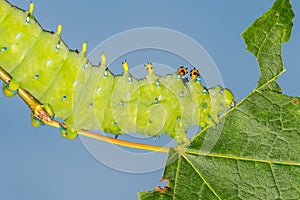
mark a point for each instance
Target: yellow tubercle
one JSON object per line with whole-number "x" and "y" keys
{"x": 125, "y": 66}
{"x": 59, "y": 29}
{"x": 149, "y": 68}
{"x": 103, "y": 59}
{"x": 31, "y": 7}
{"x": 84, "y": 46}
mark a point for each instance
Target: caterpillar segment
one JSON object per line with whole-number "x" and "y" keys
{"x": 58, "y": 83}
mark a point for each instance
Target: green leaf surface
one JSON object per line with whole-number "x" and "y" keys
{"x": 264, "y": 38}
{"x": 254, "y": 152}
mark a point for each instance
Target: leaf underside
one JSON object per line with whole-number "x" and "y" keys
{"x": 254, "y": 152}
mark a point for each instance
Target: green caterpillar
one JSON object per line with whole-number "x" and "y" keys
{"x": 91, "y": 97}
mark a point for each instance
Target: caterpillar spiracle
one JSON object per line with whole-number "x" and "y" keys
{"x": 91, "y": 97}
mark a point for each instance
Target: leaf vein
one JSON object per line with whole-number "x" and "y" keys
{"x": 289, "y": 163}
{"x": 198, "y": 172}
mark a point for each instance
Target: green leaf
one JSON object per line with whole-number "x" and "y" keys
{"x": 254, "y": 152}
{"x": 264, "y": 38}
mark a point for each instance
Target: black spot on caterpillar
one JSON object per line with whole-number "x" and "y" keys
{"x": 91, "y": 97}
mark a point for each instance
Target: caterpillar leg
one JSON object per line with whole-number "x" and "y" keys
{"x": 67, "y": 132}
{"x": 10, "y": 89}
{"x": 44, "y": 114}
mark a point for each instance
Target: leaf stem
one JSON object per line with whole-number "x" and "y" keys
{"x": 123, "y": 142}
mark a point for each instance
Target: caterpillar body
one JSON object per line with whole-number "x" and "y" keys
{"x": 91, "y": 97}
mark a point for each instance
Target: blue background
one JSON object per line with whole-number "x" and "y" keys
{"x": 39, "y": 164}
